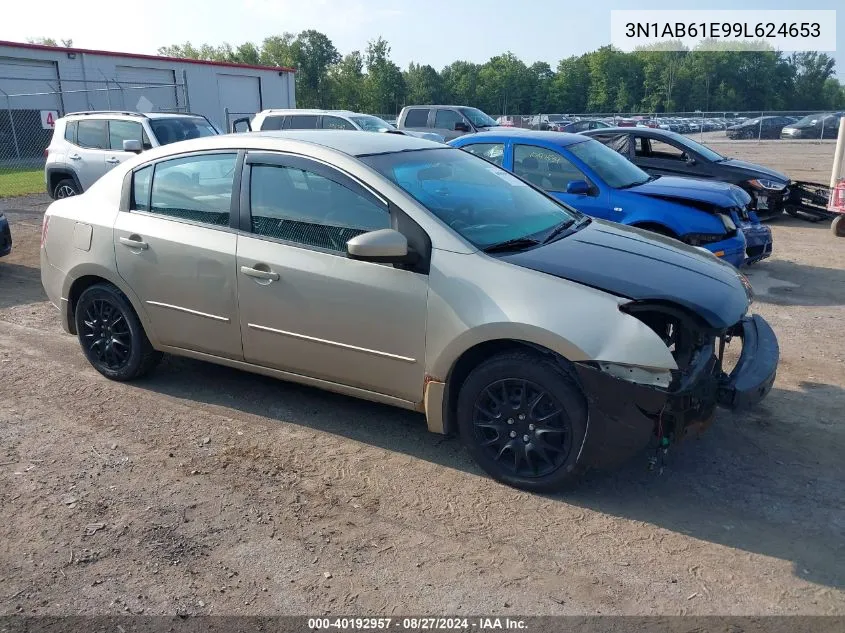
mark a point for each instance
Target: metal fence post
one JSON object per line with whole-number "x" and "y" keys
{"x": 185, "y": 91}
{"x": 821, "y": 137}
{"x": 12, "y": 125}
{"x": 226, "y": 116}
{"x": 760, "y": 128}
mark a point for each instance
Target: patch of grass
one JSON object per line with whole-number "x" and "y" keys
{"x": 21, "y": 182}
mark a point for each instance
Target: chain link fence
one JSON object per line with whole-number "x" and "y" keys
{"x": 27, "y": 119}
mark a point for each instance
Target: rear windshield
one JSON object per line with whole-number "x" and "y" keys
{"x": 172, "y": 129}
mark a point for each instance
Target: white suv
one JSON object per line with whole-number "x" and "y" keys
{"x": 85, "y": 145}
{"x": 323, "y": 120}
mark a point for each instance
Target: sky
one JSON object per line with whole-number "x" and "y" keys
{"x": 434, "y": 32}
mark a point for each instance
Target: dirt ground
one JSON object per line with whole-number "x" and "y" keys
{"x": 204, "y": 490}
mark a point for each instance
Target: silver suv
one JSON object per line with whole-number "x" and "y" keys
{"x": 85, "y": 145}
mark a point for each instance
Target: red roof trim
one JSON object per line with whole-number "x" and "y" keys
{"x": 63, "y": 49}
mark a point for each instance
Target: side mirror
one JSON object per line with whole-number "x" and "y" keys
{"x": 691, "y": 161}
{"x": 385, "y": 246}
{"x": 132, "y": 145}
{"x": 578, "y": 187}
{"x": 460, "y": 126}
{"x": 241, "y": 125}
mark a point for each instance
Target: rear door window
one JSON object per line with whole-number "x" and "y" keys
{"x": 302, "y": 122}
{"x": 273, "y": 123}
{"x": 195, "y": 188}
{"x": 93, "y": 134}
{"x": 417, "y": 117}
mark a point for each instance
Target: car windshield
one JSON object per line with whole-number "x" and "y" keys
{"x": 556, "y": 117}
{"x": 478, "y": 118}
{"x": 370, "y": 123}
{"x": 483, "y": 203}
{"x": 613, "y": 168}
{"x": 695, "y": 146}
{"x": 172, "y": 129}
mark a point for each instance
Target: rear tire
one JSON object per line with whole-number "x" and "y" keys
{"x": 111, "y": 335}
{"x": 523, "y": 419}
{"x": 837, "y": 227}
{"x": 65, "y": 189}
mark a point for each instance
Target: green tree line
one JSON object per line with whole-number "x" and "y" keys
{"x": 605, "y": 80}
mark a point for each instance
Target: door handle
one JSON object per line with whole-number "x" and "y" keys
{"x": 74, "y": 156}
{"x": 260, "y": 274}
{"x": 128, "y": 241}
{"x": 113, "y": 160}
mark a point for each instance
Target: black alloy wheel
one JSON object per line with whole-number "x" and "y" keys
{"x": 522, "y": 427}
{"x": 523, "y": 417}
{"x": 111, "y": 335}
{"x": 106, "y": 334}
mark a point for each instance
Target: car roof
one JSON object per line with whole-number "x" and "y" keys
{"x": 307, "y": 111}
{"x": 561, "y": 139}
{"x": 352, "y": 142}
{"x": 94, "y": 114}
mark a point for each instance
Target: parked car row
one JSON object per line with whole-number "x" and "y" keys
{"x": 404, "y": 271}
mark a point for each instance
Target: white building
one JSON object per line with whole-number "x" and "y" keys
{"x": 36, "y": 82}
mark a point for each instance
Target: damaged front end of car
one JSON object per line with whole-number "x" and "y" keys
{"x": 633, "y": 406}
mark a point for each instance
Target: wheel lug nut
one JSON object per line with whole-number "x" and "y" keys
{"x": 510, "y": 420}
{"x": 525, "y": 438}
{"x": 521, "y": 416}
{"x": 513, "y": 433}
{"x": 530, "y": 427}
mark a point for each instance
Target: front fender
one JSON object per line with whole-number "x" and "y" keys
{"x": 474, "y": 299}
{"x": 679, "y": 218}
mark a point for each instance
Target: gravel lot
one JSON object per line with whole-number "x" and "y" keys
{"x": 206, "y": 490}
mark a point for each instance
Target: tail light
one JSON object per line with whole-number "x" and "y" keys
{"x": 46, "y": 152}
{"x": 45, "y": 225}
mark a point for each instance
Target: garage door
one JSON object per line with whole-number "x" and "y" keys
{"x": 148, "y": 89}
{"x": 240, "y": 94}
{"x": 38, "y": 80}
{"x": 32, "y": 86}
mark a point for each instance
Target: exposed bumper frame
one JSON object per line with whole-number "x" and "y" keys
{"x": 624, "y": 416}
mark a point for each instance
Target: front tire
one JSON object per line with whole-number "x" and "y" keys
{"x": 837, "y": 227}
{"x": 523, "y": 418}
{"x": 65, "y": 189}
{"x": 111, "y": 335}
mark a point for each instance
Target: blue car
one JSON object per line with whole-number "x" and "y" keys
{"x": 600, "y": 182}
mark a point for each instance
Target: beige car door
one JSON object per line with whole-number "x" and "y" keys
{"x": 175, "y": 248}
{"x": 307, "y": 309}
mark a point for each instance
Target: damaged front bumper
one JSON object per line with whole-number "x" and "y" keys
{"x": 758, "y": 242}
{"x": 625, "y": 415}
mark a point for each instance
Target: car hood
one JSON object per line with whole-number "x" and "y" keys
{"x": 710, "y": 192}
{"x": 754, "y": 169}
{"x": 632, "y": 263}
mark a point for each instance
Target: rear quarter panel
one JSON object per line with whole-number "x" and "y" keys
{"x": 65, "y": 257}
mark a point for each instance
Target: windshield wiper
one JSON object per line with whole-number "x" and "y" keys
{"x": 560, "y": 228}
{"x": 516, "y": 244}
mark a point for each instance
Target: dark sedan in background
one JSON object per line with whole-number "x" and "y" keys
{"x": 664, "y": 153}
{"x": 760, "y": 127}
{"x": 824, "y": 125}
